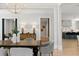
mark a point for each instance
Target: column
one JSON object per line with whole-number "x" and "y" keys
{"x": 57, "y": 30}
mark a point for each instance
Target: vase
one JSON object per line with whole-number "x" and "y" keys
{"x": 18, "y": 37}
{"x": 14, "y": 38}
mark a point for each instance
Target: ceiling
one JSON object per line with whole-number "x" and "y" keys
{"x": 67, "y": 8}
{"x": 27, "y": 5}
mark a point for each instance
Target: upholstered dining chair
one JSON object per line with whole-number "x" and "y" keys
{"x": 77, "y": 40}
{"x": 21, "y": 52}
{"x": 47, "y": 49}
{"x": 3, "y": 52}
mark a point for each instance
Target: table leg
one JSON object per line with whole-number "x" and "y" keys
{"x": 35, "y": 51}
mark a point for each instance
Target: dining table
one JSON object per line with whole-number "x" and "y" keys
{"x": 35, "y": 45}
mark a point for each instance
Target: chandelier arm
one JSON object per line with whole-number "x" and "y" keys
{"x": 14, "y": 10}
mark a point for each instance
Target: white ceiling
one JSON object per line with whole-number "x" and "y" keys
{"x": 27, "y": 5}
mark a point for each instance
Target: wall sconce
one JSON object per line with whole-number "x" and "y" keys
{"x": 22, "y": 30}
{"x": 34, "y": 25}
{"x": 33, "y": 30}
{"x": 22, "y": 25}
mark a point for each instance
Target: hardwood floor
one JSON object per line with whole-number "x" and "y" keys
{"x": 69, "y": 43}
{"x": 70, "y": 48}
{"x": 71, "y": 52}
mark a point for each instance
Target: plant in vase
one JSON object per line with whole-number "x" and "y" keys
{"x": 15, "y": 32}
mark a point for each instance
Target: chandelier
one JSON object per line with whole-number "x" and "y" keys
{"x": 14, "y": 7}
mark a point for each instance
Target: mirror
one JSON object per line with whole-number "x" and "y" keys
{"x": 8, "y": 25}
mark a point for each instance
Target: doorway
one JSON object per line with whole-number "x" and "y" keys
{"x": 69, "y": 38}
{"x": 44, "y": 29}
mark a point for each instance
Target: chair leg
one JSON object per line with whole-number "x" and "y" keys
{"x": 77, "y": 42}
{"x": 40, "y": 54}
{"x": 51, "y": 54}
{"x": 9, "y": 52}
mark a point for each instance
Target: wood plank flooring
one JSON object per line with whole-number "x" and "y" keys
{"x": 70, "y": 48}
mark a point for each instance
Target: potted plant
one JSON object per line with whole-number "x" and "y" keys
{"x": 15, "y": 32}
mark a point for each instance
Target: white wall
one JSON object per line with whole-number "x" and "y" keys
{"x": 27, "y": 17}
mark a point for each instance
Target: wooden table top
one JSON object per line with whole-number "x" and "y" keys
{"x": 21, "y": 43}
{"x": 9, "y": 43}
